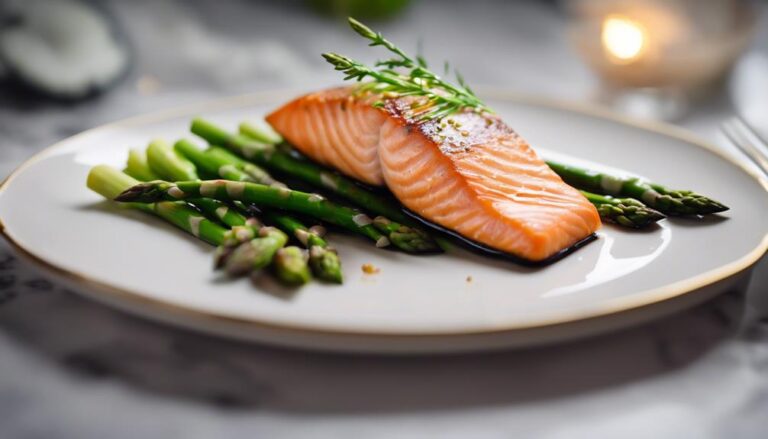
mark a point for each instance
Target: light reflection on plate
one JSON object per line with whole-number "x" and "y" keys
{"x": 615, "y": 260}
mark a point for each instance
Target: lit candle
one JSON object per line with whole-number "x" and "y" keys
{"x": 682, "y": 44}
{"x": 623, "y": 39}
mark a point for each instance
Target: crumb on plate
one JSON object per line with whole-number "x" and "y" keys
{"x": 370, "y": 269}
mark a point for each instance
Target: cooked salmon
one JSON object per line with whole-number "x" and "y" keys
{"x": 469, "y": 172}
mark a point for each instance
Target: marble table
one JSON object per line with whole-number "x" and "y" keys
{"x": 71, "y": 368}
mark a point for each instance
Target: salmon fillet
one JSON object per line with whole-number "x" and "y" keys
{"x": 469, "y": 173}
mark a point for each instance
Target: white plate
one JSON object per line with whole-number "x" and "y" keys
{"x": 415, "y": 304}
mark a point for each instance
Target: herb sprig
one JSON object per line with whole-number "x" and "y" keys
{"x": 441, "y": 98}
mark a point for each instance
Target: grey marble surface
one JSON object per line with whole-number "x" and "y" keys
{"x": 70, "y": 368}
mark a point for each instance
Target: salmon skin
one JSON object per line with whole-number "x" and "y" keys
{"x": 469, "y": 173}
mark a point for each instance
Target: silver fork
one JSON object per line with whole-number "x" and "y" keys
{"x": 748, "y": 141}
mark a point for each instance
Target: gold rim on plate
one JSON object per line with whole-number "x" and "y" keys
{"x": 618, "y": 305}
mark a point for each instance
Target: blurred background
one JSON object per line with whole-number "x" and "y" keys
{"x": 70, "y": 65}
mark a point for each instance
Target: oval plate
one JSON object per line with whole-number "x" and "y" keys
{"x": 447, "y": 303}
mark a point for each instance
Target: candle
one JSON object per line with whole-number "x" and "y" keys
{"x": 685, "y": 44}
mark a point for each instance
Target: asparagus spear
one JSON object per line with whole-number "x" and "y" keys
{"x": 167, "y": 163}
{"x": 291, "y": 266}
{"x": 214, "y": 163}
{"x": 224, "y": 165}
{"x": 668, "y": 201}
{"x": 324, "y": 262}
{"x": 261, "y": 245}
{"x": 254, "y": 254}
{"x": 257, "y": 174}
{"x": 173, "y": 166}
{"x": 323, "y": 259}
{"x": 407, "y": 237}
{"x": 137, "y": 166}
{"x": 109, "y": 182}
{"x": 263, "y": 133}
{"x": 275, "y": 197}
{"x": 222, "y": 212}
{"x": 627, "y": 212}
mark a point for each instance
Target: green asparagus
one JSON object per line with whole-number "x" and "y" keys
{"x": 261, "y": 132}
{"x": 167, "y": 163}
{"x": 171, "y": 165}
{"x": 627, "y": 212}
{"x": 223, "y": 213}
{"x": 288, "y": 269}
{"x": 254, "y": 254}
{"x": 667, "y": 201}
{"x": 323, "y": 259}
{"x": 324, "y": 262}
{"x": 222, "y": 166}
{"x": 137, "y": 166}
{"x": 291, "y": 266}
{"x": 109, "y": 183}
{"x": 259, "y": 250}
{"x": 275, "y": 197}
{"x": 411, "y": 239}
{"x": 257, "y": 174}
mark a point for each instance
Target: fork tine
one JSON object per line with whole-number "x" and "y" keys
{"x": 761, "y": 140}
{"x": 735, "y": 132}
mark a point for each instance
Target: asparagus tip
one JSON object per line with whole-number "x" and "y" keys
{"x": 684, "y": 202}
{"x": 630, "y": 213}
{"x": 143, "y": 192}
{"x": 240, "y": 259}
{"x": 413, "y": 242}
{"x": 290, "y": 266}
{"x": 326, "y": 264}
{"x": 256, "y": 253}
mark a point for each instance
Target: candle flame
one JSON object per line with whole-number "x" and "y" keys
{"x": 624, "y": 39}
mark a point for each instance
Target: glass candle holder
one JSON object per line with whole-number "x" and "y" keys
{"x": 655, "y": 56}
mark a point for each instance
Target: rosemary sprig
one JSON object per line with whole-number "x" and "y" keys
{"x": 440, "y": 98}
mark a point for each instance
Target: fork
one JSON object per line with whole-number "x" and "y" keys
{"x": 748, "y": 141}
